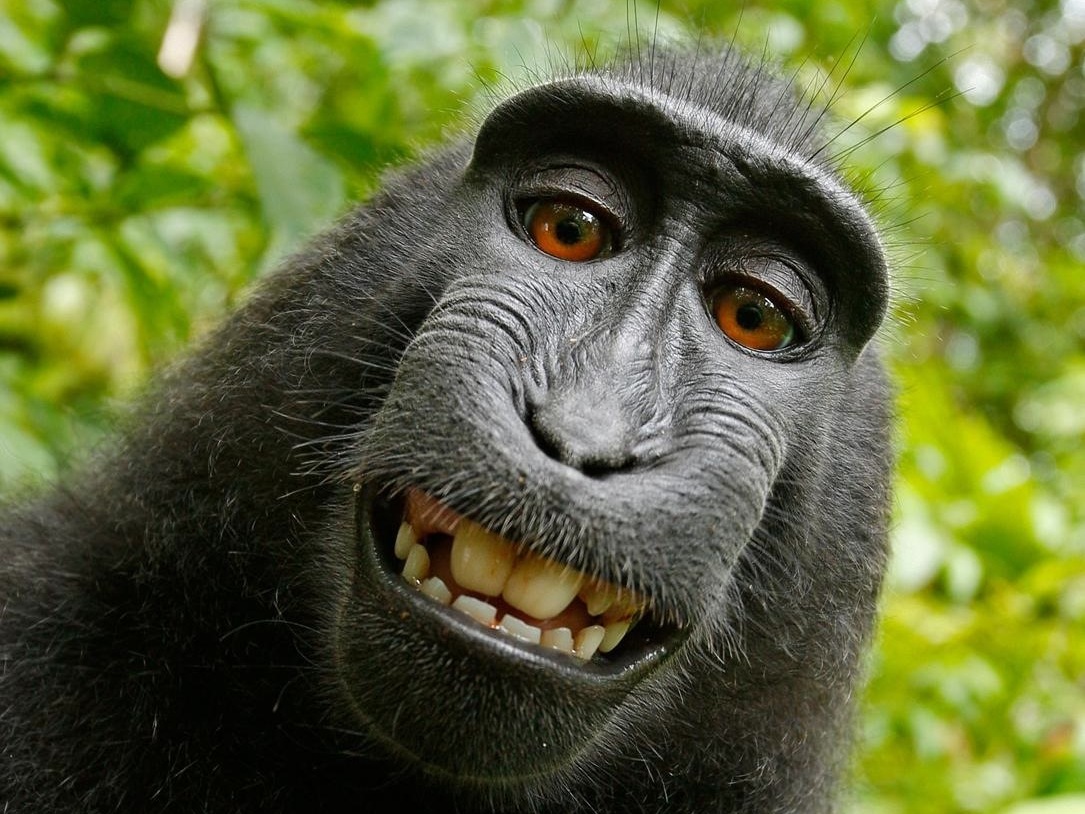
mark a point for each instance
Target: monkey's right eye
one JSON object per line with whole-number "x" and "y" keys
{"x": 753, "y": 318}
{"x": 567, "y": 231}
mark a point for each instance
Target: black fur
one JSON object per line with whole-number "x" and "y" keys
{"x": 197, "y": 622}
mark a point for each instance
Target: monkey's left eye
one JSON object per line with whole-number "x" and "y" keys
{"x": 753, "y": 318}
{"x": 567, "y": 231}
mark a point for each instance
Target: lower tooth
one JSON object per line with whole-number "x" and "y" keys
{"x": 416, "y": 568}
{"x": 520, "y": 629}
{"x": 559, "y": 638}
{"x": 588, "y": 641}
{"x": 478, "y": 610}
{"x": 435, "y": 587}
{"x": 615, "y": 632}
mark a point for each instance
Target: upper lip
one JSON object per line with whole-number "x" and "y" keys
{"x": 566, "y": 609}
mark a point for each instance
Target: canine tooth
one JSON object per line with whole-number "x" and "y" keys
{"x": 598, "y": 596}
{"x": 478, "y": 610}
{"x": 436, "y": 588}
{"x": 615, "y": 632}
{"x": 416, "y": 568}
{"x": 541, "y": 588}
{"x": 481, "y": 560}
{"x": 404, "y": 540}
{"x": 559, "y": 638}
{"x": 520, "y": 629}
{"x": 588, "y": 641}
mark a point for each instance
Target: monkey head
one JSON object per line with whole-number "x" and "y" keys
{"x": 627, "y": 478}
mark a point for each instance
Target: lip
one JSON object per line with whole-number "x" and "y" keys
{"x": 376, "y": 521}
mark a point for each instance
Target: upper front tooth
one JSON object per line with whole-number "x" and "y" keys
{"x": 541, "y": 588}
{"x": 481, "y": 560}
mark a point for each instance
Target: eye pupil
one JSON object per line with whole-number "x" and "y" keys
{"x": 569, "y": 231}
{"x": 749, "y": 317}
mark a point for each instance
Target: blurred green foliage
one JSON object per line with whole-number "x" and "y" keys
{"x": 136, "y": 205}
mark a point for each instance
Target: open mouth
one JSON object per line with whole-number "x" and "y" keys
{"x": 499, "y": 585}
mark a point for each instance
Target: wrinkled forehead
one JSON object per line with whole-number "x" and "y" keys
{"x": 607, "y": 114}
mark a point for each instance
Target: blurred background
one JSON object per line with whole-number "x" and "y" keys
{"x": 157, "y": 156}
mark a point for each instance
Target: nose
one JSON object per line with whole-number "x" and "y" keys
{"x": 585, "y": 427}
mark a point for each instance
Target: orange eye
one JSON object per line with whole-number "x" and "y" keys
{"x": 566, "y": 231}
{"x": 750, "y": 318}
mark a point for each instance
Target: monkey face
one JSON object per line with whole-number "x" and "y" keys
{"x": 596, "y": 471}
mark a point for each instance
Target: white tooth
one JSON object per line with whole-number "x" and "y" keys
{"x": 520, "y": 629}
{"x": 541, "y": 588}
{"x": 598, "y": 596}
{"x": 615, "y": 632}
{"x": 588, "y": 641}
{"x": 481, "y": 560}
{"x": 436, "y": 588}
{"x": 416, "y": 568}
{"x": 559, "y": 638}
{"x": 478, "y": 610}
{"x": 404, "y": 540}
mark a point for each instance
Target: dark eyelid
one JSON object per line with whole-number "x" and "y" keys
{"x": 592, "y": 188}
{"x": 777, "y": 275}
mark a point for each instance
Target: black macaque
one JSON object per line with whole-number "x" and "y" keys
{"x": 604, "y": 368}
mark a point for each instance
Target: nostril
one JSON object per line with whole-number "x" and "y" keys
{"x": 542, "y": 439}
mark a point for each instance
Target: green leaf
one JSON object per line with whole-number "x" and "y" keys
{"x": 134, "y": 104}
{"x": 300, "y": 190}
{"x": 1065, "y": 804}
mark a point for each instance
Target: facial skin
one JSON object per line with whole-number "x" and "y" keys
{"x": 618, "y": 346}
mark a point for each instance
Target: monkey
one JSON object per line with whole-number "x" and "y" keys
{"x": 553, "y": 478}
